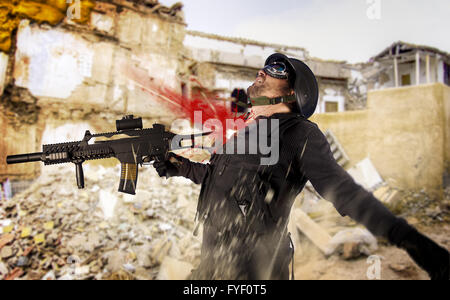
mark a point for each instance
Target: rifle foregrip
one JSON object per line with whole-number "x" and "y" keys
{"x": 23, "y": 158}
{"x": 80, "y": 175}
{"x": 128, "y": 178}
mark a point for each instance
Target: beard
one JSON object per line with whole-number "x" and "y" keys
{"x": 262, "y": 87}
{"x": 256, "y": 91}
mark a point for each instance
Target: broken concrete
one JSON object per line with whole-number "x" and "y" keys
{"x": 366, "y": 175}
{"x": 312, "y": 230}
{"x": 71, "y": 237}
{"x": 172, "y": 269}
{"x": 352, "y": 243}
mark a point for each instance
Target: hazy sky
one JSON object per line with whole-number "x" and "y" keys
{"x": 328, "y": 29}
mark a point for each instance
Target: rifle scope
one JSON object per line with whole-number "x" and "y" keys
{"x": 129, "y": 123}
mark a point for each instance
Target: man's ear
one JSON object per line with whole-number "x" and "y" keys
{"x": 292, "y": 92}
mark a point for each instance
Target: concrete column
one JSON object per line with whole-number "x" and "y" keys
{"x": 434, "y": 69}
{"x": 428, "y": 69}
{"x": 396, "y": 71}
{"x": 417, "y": 68}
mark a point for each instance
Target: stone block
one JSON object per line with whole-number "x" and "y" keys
{"x": 3, "y": 68}
{"x": 101, "y": 66}
{"x": 172, "y": 269}
{"x": 129, "y": 31}
{"x": 89, "y": 95}
{"x": 103, "y": 23}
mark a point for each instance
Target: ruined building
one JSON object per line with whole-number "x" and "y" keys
{"x": 223, "y": 64}
{"x": 404, "y": 64}
{"x": 59, "y": 68}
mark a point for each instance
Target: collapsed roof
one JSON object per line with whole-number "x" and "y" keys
{"x": 399, "y": 48}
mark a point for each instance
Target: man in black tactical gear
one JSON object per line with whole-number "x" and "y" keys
{"x": 245, "y": 206}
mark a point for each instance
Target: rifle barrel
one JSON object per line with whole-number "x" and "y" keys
{"x": 23, "y": 158}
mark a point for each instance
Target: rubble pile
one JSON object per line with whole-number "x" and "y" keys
{"x": 421, "y": 208}
{"x": 55, "y": 231}
{"x": 173, "y": 12}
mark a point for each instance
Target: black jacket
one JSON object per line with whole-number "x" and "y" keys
{"x": 245, "y": 207}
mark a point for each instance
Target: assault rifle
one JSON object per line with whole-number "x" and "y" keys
{"x": 142, "y": 146}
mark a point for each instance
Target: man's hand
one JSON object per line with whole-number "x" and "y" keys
{"x": 428, "y": 255}
{"x": 170, "y": 167}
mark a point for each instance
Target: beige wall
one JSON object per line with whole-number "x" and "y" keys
{"x": 404, "y": 131}
{"x": 406, "y": 135}
{"x": 446, "y": 99}
{"x": 351, "y": 130}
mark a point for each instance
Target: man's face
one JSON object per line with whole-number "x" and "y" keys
{"x": 266, "y": 86}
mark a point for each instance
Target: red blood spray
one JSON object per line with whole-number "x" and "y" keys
{"x": 183, "y": 107}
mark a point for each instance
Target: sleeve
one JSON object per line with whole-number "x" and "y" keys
{"x": 190, "y": 170}
{"x": 334, "y": 184}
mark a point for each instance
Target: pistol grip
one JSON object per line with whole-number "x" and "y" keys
{"x": 128, "y": 178}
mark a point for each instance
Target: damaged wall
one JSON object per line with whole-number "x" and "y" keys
{"x": 404, "y": 131}
{"x": 41, "y": 11}
{"x": 333, "y": 95}
{"x": 406, "y": 136}
{"x": 4, "y": 59}
{"x": 446, "y": 99}
{"x": 76, "y": 72}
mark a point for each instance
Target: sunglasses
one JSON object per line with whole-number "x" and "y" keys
{"x": 277, "y": 70}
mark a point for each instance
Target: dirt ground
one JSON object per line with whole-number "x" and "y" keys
{"x": 396, "y": 264}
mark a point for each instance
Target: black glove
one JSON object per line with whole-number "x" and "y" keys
{"x": 170, "y": 167}
{"x": 426, "y": 253}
